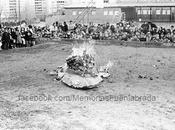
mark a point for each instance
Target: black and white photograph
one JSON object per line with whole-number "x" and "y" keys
{"x": 87, "y": 64}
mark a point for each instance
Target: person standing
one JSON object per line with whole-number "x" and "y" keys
{"x": 5, "y": 39}
{"x": 65, "y": 27}
{"x": 14, "y": 38}
{"x": 65, "y": 30}
{"x": 71, "y": 26}
{"x": 19, "y": 39}
{"x": 28, "y": 37}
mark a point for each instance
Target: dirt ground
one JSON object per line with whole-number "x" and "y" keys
{"x": 138, "y": 72}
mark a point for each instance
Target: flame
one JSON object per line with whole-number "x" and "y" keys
{"x": 106, "y": 67}
{"x": 87, "y": 47}
{"x": 109, "y": 65}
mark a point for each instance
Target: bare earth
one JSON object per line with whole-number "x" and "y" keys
{"x": 25, "y": 72}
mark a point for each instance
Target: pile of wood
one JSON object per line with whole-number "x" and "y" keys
{"x": 81, "y": 64}
{"x": 80, "y": 71}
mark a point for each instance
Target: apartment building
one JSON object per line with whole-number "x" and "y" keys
{"x": 40, "y": 8}
{"x": 15, "y": 10}
{"x": 12, "y": 10}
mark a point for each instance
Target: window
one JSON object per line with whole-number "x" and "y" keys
{"x": 158, "y": 11}
{"x": 116, "y": 12}
{"x": 106, "y": 1}
{"x": 164, "y": 12}
{"x": 149, "y": 11}
{"x": 105, "y": 12}
{"x": 62, "y": 1}
{"x": 145, "y": 12}
{"x": 168, "y": 12}
{"x": 110, "y": 12}
{"x": 74, "y": 13}
{"x": 138, "y": 11}
{"x": 93, "y": 12}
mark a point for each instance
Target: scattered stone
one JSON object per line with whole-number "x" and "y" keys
{"x": 140, "y": 77}
{"x": 163, "y": 64}
{"x": 53, "y": 73}
{"x": 127, "y": 86}
{"x": 110, "y": 80}
{"x": 151, "y": 78}
{"x": 155, "y": 66}
{"x": 145, "y": 77}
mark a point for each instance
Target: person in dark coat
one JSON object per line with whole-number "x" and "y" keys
{"x": 145, "y": 27}
{"x": 28, "y": 38}
{"x": 65, "y": 27}
{"x": 5, "y": 40}
{"x": 14, "y": 37}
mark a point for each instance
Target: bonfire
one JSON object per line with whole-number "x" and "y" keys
{"x": 80, "y": 69}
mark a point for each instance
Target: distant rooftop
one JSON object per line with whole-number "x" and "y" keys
{"x": 128, "y": 3}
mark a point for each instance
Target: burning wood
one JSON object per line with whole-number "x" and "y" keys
{"x": 81, "y": 64}
{"x": 80, "y": 70}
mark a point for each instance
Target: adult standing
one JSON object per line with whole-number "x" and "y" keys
{"x": 19, "y": 39}
{"x": 14, "y": 38}
{"x": 28, "y": 37}
{"x": 65, "y": 27}
{"x": 5, "y": 39}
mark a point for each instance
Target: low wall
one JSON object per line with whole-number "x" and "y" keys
{"x": 111, "y": 42}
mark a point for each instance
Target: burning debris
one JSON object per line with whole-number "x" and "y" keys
{"x": 80, "y": 69}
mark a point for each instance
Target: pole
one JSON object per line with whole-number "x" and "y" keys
{"x": 19, "y": 13}
{"x": 88, "y": 15}
{"x": 150, "y": 13}
{"x": 170, "y": 14}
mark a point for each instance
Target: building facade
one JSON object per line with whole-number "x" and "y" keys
{"x": 148, "y": 10}
{"x": 114, "y": 10}
{"x": 11, "y": 10}
{"x": 40, "y": 9}
{"x": 15, "y": 10}
{"x": 88, "y": 10}
{"x": 57, "y": 6}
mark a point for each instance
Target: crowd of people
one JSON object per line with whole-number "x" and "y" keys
{"x": 122, "y": 31}
{"x": 16, "y": 37}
